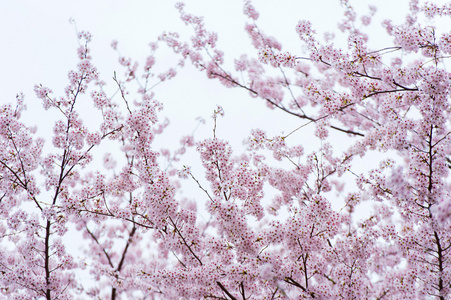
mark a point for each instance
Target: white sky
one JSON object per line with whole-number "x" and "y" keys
{"x": 39, "y": 46}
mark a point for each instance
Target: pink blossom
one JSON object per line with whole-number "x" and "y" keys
{"x": 250, "y": 11}
{"x": 114, "y": 44}
{"x": 353, "y": 202}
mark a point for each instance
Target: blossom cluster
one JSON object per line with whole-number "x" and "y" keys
{"x": 283, "y": 219}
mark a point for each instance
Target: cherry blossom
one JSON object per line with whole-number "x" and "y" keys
{"x": 278, "y": 220}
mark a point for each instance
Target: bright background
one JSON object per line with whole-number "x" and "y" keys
{"x": 38, "y": 46}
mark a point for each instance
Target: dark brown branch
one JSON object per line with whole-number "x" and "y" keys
{"x": 440, "y": 265}
{"x": 24, "y": 185}
{"x": 383, "y": 295}
{"x": 282, "y": 107}
{"x": 103, "y": 249}
{"x": 242, "y": 290}
{"x": 122, "y": 92}
{"x": 295, "y": 283}
{"x": 119, "y": 267}
{"x": 184, "y": 241}
{"x": 130, "y": 239}
{"x": 47, "y": 260}
{"x": 225, "y": 291}
{"x": 274, "y": 294}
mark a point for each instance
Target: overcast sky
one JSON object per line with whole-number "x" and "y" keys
{"x": 38, "y": 42}
{"x": 39, "y": 46}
